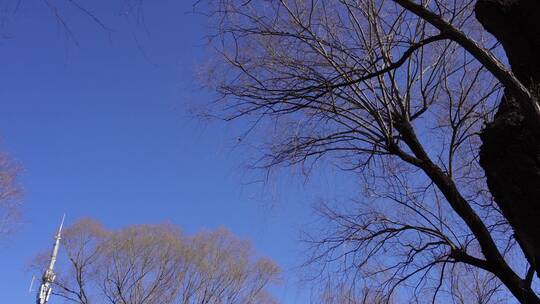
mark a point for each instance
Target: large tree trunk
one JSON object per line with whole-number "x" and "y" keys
{"x": 510, "y": 151}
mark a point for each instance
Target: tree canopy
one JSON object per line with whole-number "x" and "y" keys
{"x": 10, "y": 193}
{"x": 414, "y": 97}
{"x": 158, "y": 264}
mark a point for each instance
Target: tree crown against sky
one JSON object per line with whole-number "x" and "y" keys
{"x": 10, "y": 194}
{"x": 159, "y": 264}
{"x": 399, "y": 93}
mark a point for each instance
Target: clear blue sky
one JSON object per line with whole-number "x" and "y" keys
{"x": 101, "y": 131}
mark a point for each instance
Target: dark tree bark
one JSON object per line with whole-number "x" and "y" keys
{"x": 510, "y": 151}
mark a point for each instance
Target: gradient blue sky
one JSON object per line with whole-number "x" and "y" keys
{"x": 102, "y": 131}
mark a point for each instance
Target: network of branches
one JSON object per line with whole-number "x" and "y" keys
{"x": 395, "y": 92}
{"x": 158, "y": 264}
{"x": 10, "y": 194}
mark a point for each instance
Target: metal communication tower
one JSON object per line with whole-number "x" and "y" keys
{"x": 45, "y": 289}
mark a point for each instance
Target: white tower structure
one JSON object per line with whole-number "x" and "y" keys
{"x": 47, "y": 280}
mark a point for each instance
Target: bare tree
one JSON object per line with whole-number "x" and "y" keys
{"x": 61, "y": 12}
{"x": 397, "y": 91}
{"x": 140, "y": 265}
{"x": 224, "y": 271}
{"x": 10, "y": 193}
{"x": 157, "y": 264}
{"x": 83, "y": 246}
{"x": 341, "y": 293}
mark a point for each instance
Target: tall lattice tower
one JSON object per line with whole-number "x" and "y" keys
{"x": 45, "y": 289}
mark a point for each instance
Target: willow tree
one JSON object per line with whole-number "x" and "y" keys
{"x": 416, "y": 98}
{"x": 10, "y": 193}
{"x": 157, "y": 264}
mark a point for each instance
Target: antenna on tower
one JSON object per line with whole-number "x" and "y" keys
{"x": 47, "y": 280}
{"x": 30, "y": 289}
